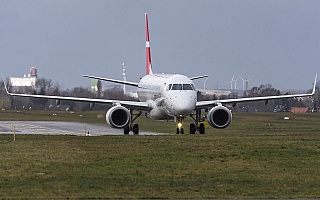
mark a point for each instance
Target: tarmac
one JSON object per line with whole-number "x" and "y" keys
{"x": 61, "y": 128}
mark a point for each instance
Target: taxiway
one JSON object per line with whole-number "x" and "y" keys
{"x": 60, "y": 128}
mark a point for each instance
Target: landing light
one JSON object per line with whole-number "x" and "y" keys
{"x": 179, "y": 124}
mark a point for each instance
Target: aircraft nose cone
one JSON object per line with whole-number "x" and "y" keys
{"x": 184, "y": 106}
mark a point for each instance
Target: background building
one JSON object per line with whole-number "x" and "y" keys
{"x": 25, "y": 81}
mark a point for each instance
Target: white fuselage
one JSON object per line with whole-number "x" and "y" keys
{"x": 170, "y": 95}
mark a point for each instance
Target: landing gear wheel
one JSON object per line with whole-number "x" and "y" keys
{"x": 180, "y": 131}
{"x": 192, "y": 128}
{"x": 135, "y": 129}
{"x": 126, "y": 130}
{"x": 201, "y": 128}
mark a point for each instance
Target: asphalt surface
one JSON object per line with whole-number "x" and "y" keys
{"x": 61, "y": 128}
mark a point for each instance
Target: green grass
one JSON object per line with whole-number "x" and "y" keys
{"x": 260, "y": 155}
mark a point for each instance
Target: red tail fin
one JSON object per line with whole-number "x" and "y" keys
{"x": 148, "y": 53}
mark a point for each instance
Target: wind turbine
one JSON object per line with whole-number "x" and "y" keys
{"x": 231, "y": 82}
{"x": 245, "y": 83}
{"x": 235, "y": 83}
{"x": 204, "y": 83}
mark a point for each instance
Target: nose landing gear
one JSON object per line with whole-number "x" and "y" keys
{"x": 180, "y": 128}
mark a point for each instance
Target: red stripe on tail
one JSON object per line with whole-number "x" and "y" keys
{"x": 148, "y": 53}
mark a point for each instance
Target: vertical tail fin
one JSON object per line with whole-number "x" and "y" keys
{"x": 148, "y": 53}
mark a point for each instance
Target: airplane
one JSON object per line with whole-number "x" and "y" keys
{"x": 165, "y": 97}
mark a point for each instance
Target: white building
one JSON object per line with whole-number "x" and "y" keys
{"x": 25, "y": 81}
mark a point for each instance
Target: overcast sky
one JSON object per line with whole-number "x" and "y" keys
{"x": 276, "y": 42}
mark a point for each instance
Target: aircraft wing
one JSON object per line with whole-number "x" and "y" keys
{"x": 112, "y": 80}
{"x": 128, "y": 104}
{"x": 208, "y": 104}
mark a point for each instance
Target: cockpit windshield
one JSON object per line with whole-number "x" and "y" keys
{"x": 181, "y": 87}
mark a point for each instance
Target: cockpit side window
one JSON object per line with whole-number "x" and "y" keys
{"x": 176, "y": 87}
{"x": 188, "y": 87}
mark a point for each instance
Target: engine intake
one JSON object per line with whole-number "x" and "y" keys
{"x": 118, "y": 117}
{"x": 219, "y": 117}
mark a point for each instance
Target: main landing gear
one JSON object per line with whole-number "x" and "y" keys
{"x": 132, "y": 127}
{"x": 194, "y": 127}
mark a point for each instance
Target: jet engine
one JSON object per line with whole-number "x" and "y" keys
{"x": 118, "y": 117}
{"x": 219, "y": 117}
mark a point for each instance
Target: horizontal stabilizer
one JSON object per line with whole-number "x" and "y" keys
{"x": 198, "y": 77}
{"x": 112, "y": 80}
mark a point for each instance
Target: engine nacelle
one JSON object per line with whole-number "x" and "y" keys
{"x": 118, "y": 117}
{"x": 219, "y": 117}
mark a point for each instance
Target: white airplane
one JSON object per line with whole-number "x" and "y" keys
{"x": 165, "y": 96}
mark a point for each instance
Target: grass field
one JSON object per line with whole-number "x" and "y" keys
{"x": 260, "y": 155}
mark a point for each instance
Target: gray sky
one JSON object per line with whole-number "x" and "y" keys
{"x": 276, "y": 42}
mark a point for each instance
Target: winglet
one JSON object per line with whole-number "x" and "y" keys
{"x": 5, "y": 85}
{"x": 314, "y": 85}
